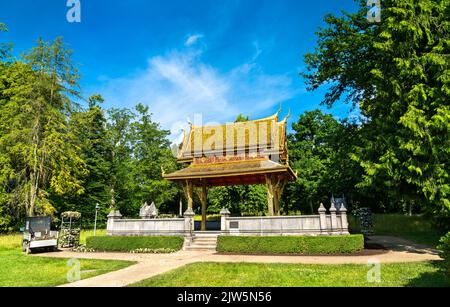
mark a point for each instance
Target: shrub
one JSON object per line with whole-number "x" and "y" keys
{"x": 71, "y": 215}
{"x": 291, "y": 244}
{"x": 444, "y": 248}
{"x": 69, "y": 238}
{"x": 70, "y": 229}
{"x": 82, "y": 249}
{"x": 129, "y": 244}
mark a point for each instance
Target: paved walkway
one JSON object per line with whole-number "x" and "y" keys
{"x": 403, "y": 245}
{"x": 149, "y": 265}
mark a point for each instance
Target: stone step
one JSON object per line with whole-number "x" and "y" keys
{"x": 201, "y": 250}
{"x": 204, "y": 243}
{"x": 212, "y": 249}
{"x": 201, "y": 247}
{"x": 206, "y": 234}
{"x": 205, "y": 239}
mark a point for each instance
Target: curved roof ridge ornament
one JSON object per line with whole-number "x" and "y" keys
{"x": 280, "y": 108}
{"x": 289, "y": 114}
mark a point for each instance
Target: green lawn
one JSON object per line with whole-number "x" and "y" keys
{"x": 416, "y": 228}
{"x": 298, "y": 275}
{"x": 19, "y": 270}
{"x": 90, "y": 233}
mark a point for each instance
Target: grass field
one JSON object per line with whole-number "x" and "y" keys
{"x": 298, "y": 275}
{"x": 416, "y": 228}
{"x": 90, "y": 233}
{"x": 19, "y": 270}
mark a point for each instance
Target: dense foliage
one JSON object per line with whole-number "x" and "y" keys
{"x": 56, "y": 155}
{"x": 319, "y": 149}
{"x": 397, "y": 71}
{"x": 444, "y": 248}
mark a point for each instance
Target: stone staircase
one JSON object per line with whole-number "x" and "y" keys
{"x": 203, "y": 241}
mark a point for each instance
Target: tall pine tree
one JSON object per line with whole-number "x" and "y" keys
{"x": 398, "y": 72}
{"x": 37, "y": 151}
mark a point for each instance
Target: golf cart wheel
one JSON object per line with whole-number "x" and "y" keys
{"x": 26, "y": 247}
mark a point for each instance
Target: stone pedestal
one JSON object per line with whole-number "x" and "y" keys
{"x": 334, "y": 223}
{"x": 323, "y": 219}
{"x": 223, "y": 219}
{"x": 189, "y": 221}
{"x": 344, "y": 221}
{"x": 112, "y": 216}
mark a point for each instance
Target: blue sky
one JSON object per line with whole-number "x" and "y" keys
{"x": 218, "y": 58}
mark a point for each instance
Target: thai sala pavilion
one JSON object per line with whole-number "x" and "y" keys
{"x": 241, "y": 153}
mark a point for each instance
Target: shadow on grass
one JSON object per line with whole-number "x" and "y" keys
{"x": 438, "y": 278}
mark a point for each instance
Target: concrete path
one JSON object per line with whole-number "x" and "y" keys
{"x": 402, "y": 245}
{"x": 149, "y": 265}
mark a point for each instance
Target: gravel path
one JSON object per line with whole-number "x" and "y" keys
{"x": 397, "y": 250}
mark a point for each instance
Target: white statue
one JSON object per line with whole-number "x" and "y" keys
{"x": 148, "y": 212}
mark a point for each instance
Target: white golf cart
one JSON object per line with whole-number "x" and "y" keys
{"x": 37, "y": 235}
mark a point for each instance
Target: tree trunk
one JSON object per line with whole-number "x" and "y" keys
{"x": 270, "y": 196}
{"x": 34, "y": 175}
{"x": 203, "y": 199}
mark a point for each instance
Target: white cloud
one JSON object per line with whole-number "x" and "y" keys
{"x": 179, "y": 84}
{"x": 192, "y": 39}
{"x": 258, "y": 51}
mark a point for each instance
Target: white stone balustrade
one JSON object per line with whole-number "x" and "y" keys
{"x": 334, "y": 223}
{"x": 117, "y": 226}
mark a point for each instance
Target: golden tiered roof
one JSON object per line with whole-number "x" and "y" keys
{"x": 235, "y": 154}
{"x": 262, "y": 137}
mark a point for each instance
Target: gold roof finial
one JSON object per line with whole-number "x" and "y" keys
{"x": 280, "y": 108}
{"x": 287, "y": 116}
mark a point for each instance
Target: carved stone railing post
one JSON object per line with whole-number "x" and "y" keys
{"x": 189, "y": 222}
{"x": 334, "y": 225}
{"x": 112, "y": 216}
{"x": 344, "y": 220}
{"x": 223, "y": 219}
{"x": 323, "y": 219}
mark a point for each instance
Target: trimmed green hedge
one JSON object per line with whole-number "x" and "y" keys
{"x": 291, "y": 244}
{"x": 130, "y": 244}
